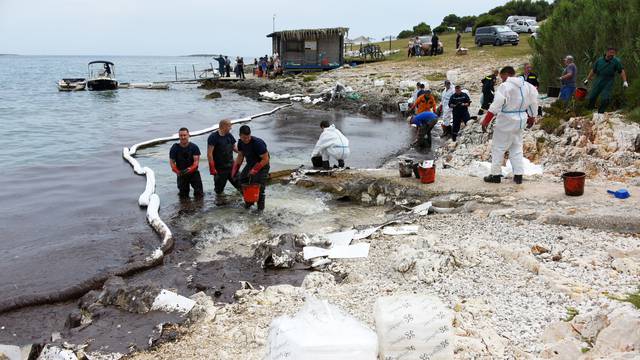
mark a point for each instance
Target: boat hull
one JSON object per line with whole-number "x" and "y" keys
{"x": 102, "y": 84}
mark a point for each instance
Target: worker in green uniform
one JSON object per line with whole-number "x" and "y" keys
{"x": 605, "y": 70}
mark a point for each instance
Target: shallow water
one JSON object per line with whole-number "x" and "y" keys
{"x": 69, "y": 202}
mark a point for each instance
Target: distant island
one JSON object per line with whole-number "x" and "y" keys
{"x": 202, "y": 55}
{"x": 8, "y": 54}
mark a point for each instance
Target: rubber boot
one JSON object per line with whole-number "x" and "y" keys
{"x": 325, "y": 165}
{"x": 517, "y": 179}
{"x": 340, "y": 163}
{"x": 261, "y": 203}
{"x": 493, "y": 179}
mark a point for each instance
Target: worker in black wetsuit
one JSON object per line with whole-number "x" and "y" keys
{"x": 254, "y": 150}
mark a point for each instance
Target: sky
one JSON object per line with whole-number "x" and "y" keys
{"x": 160, "y": 27}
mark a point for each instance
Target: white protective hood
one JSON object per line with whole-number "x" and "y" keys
{"x": 332, "y": 141}
{"x": 514, "y": 99}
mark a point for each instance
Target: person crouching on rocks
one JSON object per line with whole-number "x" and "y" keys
{"x": 184, "y": 157}
{"x": 514, "y": 107}
{"x": 331, "y": 144}
{"x": 254, "y": 150}
{"x": 424, "y": 123}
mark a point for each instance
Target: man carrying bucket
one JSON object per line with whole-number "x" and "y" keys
{"x": 514, "y": 107}
{"x": 256, "y": 172}
{"x": 220, "y": 148}
{"x": 605, "y": 70}
{"x": 184, "y": 158}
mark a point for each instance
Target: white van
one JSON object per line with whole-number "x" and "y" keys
{"x": 513, "y": 18}
{"x": 524, "y": 26}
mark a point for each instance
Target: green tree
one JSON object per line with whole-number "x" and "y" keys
{"x": 584, "y": 29}
{"x": 441, "y": 29}
{"x": 451, "y": 20}
{"x": 404, "y": 34}
{"x": 487, "y": 20}
{"x": 422, "y": 29}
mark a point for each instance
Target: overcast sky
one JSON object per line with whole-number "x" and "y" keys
{"x": 160, "y": 27}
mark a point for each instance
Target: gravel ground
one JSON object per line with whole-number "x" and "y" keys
{"x": 502, "y": 307}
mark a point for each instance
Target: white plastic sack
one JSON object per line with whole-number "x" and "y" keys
{"x": 320, "y": 331}
{"x": 452, "y": 75}
{"x": 413, "y": 327}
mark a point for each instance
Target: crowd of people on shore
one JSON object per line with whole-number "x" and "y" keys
{"x": 268, "y": 66}
{"x": 513, "y": 105}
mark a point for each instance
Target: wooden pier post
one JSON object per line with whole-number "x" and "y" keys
{"x": 175, "y": 68}
{"x": 194, "y": 72}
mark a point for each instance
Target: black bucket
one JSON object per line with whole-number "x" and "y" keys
{"x": 553, "y": 91}
{"x": 316, "y": 161}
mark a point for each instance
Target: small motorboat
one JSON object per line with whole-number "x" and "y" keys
{"x": 72, "y": 84}
{"x": 102, "y": 76}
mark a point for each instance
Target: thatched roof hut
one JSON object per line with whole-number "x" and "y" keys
{"x": 310, "y": 49}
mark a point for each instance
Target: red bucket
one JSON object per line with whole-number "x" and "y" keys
{"x": 581, "y": 93}
{"x": 573, "y": 183}
{"x": 251, "y": 192}
{"x": 427, "y": 175}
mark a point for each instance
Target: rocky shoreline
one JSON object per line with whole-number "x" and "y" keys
{"x": 543, "y": 279}
{"x": 528, "y": 272}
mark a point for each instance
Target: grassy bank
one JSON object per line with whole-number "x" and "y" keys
{"x": 449, "y": 43}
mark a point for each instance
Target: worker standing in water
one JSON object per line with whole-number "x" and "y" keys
{"x": 254, "y": 150}
{"x": 514, "y": 107}
{"x": 184, "y": 157}
{"x": 331, "y": 144}
{"x": 220, "y": 148}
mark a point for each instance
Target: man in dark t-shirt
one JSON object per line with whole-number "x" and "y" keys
{"x": 254, "y": 150}
{"x": 183, "y": 158}
{"x": 220, "y": 148}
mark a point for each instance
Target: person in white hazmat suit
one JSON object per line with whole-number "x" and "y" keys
{"x": 514, "y": 107}
{"x": 447, "y": 115}
{"x": 331, "y": 144}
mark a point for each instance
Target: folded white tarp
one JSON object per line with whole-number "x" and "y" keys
{"x": 360, "y": 250}
{"x": 483, "y": 168}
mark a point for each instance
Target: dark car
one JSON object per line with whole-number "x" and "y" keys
{"x": 496, "y": 35}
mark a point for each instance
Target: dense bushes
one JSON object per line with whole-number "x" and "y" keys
{"x": 418, "y": 30}
{"x": 584, "y": 29}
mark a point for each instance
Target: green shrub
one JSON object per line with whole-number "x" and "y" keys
{"x": 634, "y": 115}
{"x": 308, "y": 78}
{"x": 584, "y": 29}
{"x": 550, "y": 123}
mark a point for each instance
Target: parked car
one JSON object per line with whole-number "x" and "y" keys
{"x": 524, "y": 26}
{"x": 426, "y": 45}
{"x": 535, "y": 35}
{"x": 496, "y": 35}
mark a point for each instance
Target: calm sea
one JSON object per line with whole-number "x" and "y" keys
{"x": 68, "y": 202}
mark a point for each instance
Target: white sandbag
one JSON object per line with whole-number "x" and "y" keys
{"x": 401, "y": 230}
{"x": 378, "y": 83}
{"x": 168, "y": 301}
{"x": 320, "y": 331}
{"x": 150, "y": 188}
{"x": 452, "y": 75}
{"x": 479, "y": 168}
{"x": 414, "y": 327}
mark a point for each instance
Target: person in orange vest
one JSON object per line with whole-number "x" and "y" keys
{"x": 424, "y": 102}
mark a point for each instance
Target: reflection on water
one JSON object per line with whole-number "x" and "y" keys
{"x": 69, "y": 198}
